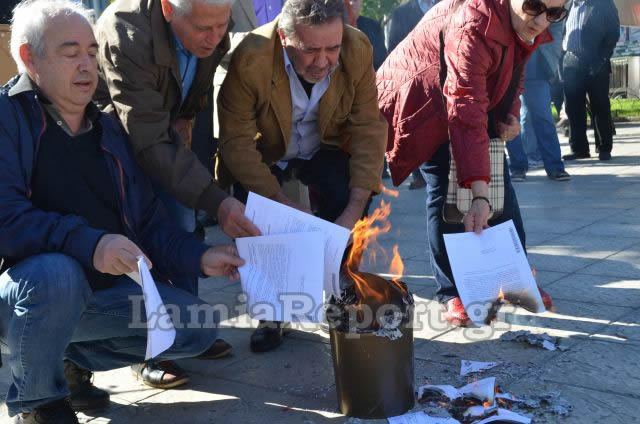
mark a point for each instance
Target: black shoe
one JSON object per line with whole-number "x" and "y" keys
{"x": 268, "y": 336}
{"x": 83, "y": 395}
{"x": 219, "y": 349}
{"x": 576, "y": 156}
{"x": 604, "y": 156}
{"x": 518, "y": 176}
{"x": 560, "y": 176}
{"x": 56, "y": 412}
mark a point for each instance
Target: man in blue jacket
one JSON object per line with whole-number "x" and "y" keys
{"x": 76, "y": 214}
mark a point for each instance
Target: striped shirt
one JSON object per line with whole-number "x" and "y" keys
{"x": 575, "y": 23}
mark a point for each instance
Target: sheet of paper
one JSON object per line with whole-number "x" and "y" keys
{"x": 275, "y": 218}
{"x": 160, "y": 330}
{"x": 485, "y": 264}
{"x": 420, "y": 418}
{"x": 470, "y": 367}
{"x": 283, "y": 276}
{"x": 506, "y": 416}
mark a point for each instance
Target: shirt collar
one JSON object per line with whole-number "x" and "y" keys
{"x": 179, "y": 47}
{"x": 25, "y": 84}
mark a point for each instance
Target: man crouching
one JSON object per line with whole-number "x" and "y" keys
{"x": 76, "y": 213}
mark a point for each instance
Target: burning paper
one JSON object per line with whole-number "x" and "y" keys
{"x": 543, "y": 340}
{"x": 470, "y": 367}
{"x": 505, "y": 416}
{"x": 488, "y": 264}
{"x": 483, "y": 390}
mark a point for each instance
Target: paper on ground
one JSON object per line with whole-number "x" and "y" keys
{"x": 282, "y": 276}
{"x": 505, "y": 416}
{"x": 160, "y": 330}
{"x": 483, "y": 264}
{"x": 275, "y": 218}
{"x": 420, "y": 418}
{"x": 470, "y": 367}
{"x": 483, "y": 390}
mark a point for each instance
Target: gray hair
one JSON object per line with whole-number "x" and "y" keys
{"x": 309, "y": 13}
{"x": 30, "y": 19}
{"x": 183, "y": 7}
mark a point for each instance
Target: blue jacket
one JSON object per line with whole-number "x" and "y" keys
{"x": 26, "y": 230}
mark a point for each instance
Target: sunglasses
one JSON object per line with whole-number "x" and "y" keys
{"x": 537, "y": 8}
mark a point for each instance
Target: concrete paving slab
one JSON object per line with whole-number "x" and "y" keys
{"x": 599, "y": 365}
{"x": 623, "y": 264}
{"x": 601, "y": 290}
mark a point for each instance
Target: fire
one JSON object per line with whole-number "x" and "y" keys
{"x": 389, "y": 192}
{"x": 397, "y": 266}
{"x": 501, "y": 296}
{"x": 365, "y": 234}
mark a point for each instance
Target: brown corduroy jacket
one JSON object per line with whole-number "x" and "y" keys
{"x": 255, "y": 112}
{"x": 141, "y": 81}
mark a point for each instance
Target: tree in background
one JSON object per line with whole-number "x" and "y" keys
{"x": 378, "y": 9}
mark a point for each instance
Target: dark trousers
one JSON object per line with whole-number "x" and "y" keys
{"x": 436, "y": 173}
{"x": 578, "y": 83}
{"x": 327, "y": 176}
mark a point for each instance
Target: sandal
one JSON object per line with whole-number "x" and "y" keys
{"x": 160, "y": 375}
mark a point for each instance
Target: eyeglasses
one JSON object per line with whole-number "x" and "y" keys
{"x": 537, "y": 8}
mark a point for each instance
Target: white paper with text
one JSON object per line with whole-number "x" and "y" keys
{"x": 484, "y": 264}
{"x": 275, "y": 218}
{"x": 283, "y": 276}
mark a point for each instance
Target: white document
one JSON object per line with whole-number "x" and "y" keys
{"x": 420, "y": 418}
{"x": 484, "y": 264}
{"x": 275, "y": 218}
{"x": 470, "y": 367}
{"x": 160, "y": 330}
{"x": 283, "y": 276}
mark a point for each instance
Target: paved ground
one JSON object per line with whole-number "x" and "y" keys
{"x": 584, "y": 238}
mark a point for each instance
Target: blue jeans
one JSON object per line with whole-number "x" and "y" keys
{"x": 538, "y": 135}
{"x": 185, "y": 218}
{"x": 436, "y": 174}
{"x": 48, "y": 313}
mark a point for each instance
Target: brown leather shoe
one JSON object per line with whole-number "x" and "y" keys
{"x": 160, "y": 375}
{"x": 219, "y": 349}
{"x": 455, "y": 313}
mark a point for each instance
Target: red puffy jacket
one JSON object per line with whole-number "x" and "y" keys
{"x": 481, "y": 53}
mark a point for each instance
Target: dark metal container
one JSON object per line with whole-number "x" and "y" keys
{"x": 374, "y": 374}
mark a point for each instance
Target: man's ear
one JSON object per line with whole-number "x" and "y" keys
{"x": 283, "y": 38}
{"x": 167, "y": 10}
{"x": 26, "y": 55}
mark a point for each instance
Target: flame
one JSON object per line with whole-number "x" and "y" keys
{"x": 365, "y": 234}
{"x": 500, "y": 295}
{"x": 389, "y": 192}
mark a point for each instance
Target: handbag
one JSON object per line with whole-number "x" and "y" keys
{"x": 459, "y": 199}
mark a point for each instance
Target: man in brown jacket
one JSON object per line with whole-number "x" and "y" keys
{"x": 300, "y": 100}
{"x": 157, "y": 59}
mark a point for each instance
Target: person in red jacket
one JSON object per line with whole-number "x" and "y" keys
{"x": 456, "y": 79}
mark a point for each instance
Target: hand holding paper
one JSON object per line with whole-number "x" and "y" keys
{"x": 221, "y": 261}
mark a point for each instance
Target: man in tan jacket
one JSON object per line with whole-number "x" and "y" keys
{"x": 300, "y": 100}
{"x": 157, "y": 59}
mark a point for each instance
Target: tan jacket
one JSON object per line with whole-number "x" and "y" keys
{"x": 255, "y": 112}
{"x": 138, "y": 63}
